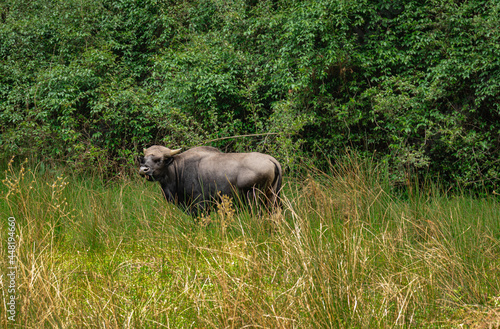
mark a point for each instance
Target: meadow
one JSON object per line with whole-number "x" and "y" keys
{"x": 348, "y": 250}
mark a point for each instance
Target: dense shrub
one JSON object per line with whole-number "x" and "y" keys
{"x": 417, "y": 83}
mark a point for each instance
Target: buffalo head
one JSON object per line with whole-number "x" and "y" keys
{"x": 155, "y": 160}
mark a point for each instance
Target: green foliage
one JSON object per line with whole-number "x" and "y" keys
{"x": 415, "y": 83}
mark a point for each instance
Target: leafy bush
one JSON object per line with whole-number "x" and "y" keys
{"x": 415, "y": 83}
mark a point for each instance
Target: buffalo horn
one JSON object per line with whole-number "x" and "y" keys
{"x": 174, "y": 152}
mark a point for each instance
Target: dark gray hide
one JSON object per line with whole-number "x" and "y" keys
{"x": 194, "y": 177}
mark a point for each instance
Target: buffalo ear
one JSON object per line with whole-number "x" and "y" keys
{"x": 168, "y": 161}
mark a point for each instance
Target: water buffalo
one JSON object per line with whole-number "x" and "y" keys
{"x": 193, "y": 178}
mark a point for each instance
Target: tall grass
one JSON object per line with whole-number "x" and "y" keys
{"x": 346, "y": 251}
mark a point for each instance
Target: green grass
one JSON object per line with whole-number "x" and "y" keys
{"x": 347, "y": 251}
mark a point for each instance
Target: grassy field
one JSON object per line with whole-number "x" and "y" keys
{"x": 347, "y": 251}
